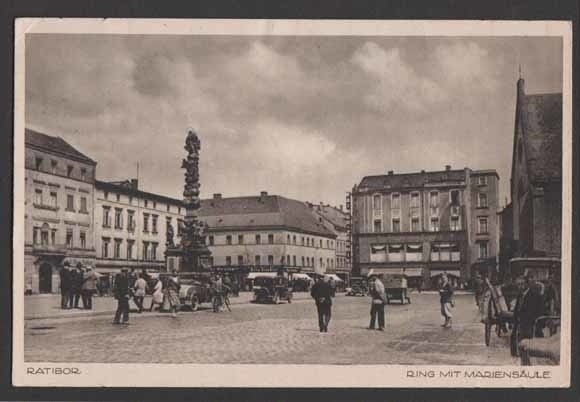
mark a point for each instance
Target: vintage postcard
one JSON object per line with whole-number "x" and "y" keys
{"x": 292, "y": 203}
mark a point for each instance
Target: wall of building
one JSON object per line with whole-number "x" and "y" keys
{"x": 547, "y": 220}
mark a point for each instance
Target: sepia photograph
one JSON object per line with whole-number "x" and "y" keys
{"x": 264, "y": 199}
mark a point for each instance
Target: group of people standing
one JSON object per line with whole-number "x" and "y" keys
{"x": 76, "y": 284}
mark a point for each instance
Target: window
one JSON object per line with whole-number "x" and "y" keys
{"x": 270, "y": 260}
{"x": 482, "y": 180}
{"x": 288, "y": 239}
{"x": 415, "y": 225}
{"x": 258, "y": 239}
{"x": 327, "y": 243}
{"x": 294, "y": 240}
{"x": 180, "y": 225}
{"x": 69, "y": 171}
{"x": 154, "y": 251}
{"x": 118, "y": 196}
{"x": 229, "y": 240}
{"x": 288, "y": 259}
{"x": 53, "y": 200}
{"x": 146, "y": 203}
{"x": 145, "y": 223}
{"x": 154, "y": 223}
{"x": 434, "y": 224}
{"x": 154, "y": 204}
{"x": 145, "y": 253}
{"x": 395, "y": 252}
{"x": 228, "y": 260}
{"x": 117, "y": 251}
{"x": 130, "y": 244}
{"x": 38, "y": 196}
{"x": 105, "y": 247}
{"x": 210, "y": 240}
{"x": 396, "y": 225}
{"x": 53, "y": 237}
{"x": 294, "y": 260}
{"x": 118, "y": 218}
{"x": 69, "y": 238}
{"x": 271, "y": 239}
{"x": 130, "y": 221}
{"x": 83, "y": 174}
{"x": 38, "y": 163}
{"x": 53, "y": 166}
{"x": 376, "y": 202}
{"x": 210, "y": 260}
{"x": 482, "y": 200}
{"x": 320, "y": 243}
{"x": 454, "y": 197}
{"x": 84, "y": 205}
{"x": 433, "y": 199}
{"x": 240, "y": 260}
{"x": 483, "y": 250}
{"x": 240, "y": 239}
{"x": 482, "y": 225}
{"x": 414, "y": 200}
{"x": 83, "y": 239}
{"x": 395, "y": 201}
{"x": 378, "y": 253}
{"x": 70, "y": 202}
{"x": 321, "y": 264}
{"x": 303, "y": 240}
{"x": 303, "y": 261}
{"x": 455, "y": 223}
{"x": 179, "y": 210}
{"x": 258, "y": 260}
{"x": 168, "y": 208}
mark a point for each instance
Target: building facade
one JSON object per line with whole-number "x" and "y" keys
{"x": 426, "y": 223}
{"x": 59, "y": 189}
{"x": 131, "y": 226}
{"x": 336, "y": 220}
{"x": 265, "y": 233}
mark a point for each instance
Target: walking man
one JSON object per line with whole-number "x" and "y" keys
{"x": 378, "y": 300}
{"x": 321, "y": 292}
{"x": 172, "y": 292}
{"x": 446, "y": 300}
{"x": 122, "y": 294}
{"x": 139, "y": 295}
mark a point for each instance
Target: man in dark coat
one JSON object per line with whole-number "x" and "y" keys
{"x": 122, "y": 294}
{"x": 321, "y": 292}
{"x": 529, "y": 306}
{"x": 65, "y": 286}
{"x": 76, "y": 286}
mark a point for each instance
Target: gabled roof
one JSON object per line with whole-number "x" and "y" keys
{"x": 267, "y": 211}
{"x": 334, "y": 215}
{"x": 541, "y": 118}
{"x": 55, "y": 145}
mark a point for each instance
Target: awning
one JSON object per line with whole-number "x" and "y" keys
{"x": 413, "y": 272}
{"x": 333, "y": 277}
{"x": 253, "y": 275}
{"x": 376, "y": 248}
{"x": 301, "y": 276}
{"x": 452, "y": 272}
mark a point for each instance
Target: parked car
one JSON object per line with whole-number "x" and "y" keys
{"x": 272, "y": 289}
{"x": 358, "y": 287}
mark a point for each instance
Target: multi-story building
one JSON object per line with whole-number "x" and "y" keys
{"x": 426, "y": 223}
{"x": 535, "y": 211}
{"x": 131, "y": 226}
{"x": 265, "y": 233}
{"x": 336, "y": 220}
{"x": 59, "y": 188}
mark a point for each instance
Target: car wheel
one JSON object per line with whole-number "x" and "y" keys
{"x": 194, "y": 303}
{"x": 276, "y": 299}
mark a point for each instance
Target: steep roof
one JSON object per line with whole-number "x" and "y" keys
{"x": 256, "y": 212}
{"x": 334, "y": 215}
{"x": 415, "y": 180}
{"x": 541, "y": 118}
{"x": 55, "y": 145}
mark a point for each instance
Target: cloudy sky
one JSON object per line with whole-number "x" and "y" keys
{"x": 303, "y": 117}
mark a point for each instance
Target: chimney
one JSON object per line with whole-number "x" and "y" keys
{"x": 447, "y": 167}
{"x": 340, "y": 207}
{"x": 217, "y": 196}
{"x": 263, "y": 195}
{"x": 134, "y": 184}
{"x": 390, "y": 172}
{"x": 422, "y": 170}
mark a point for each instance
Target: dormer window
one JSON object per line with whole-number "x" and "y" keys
{"x": 69, "y": 170}
{"x": 38, "y": 163}
{"x": 53, "y": 165}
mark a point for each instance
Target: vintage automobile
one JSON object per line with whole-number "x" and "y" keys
{"x": 358, "y": 287}
{"x": 396, "y": 288}
{"x": 271, "y": 289}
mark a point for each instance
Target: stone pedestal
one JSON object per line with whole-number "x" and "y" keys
{"x": 196, "y": 260}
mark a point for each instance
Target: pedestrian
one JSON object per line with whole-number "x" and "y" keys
{"x": 88, "y": 288}
{"x": 529, "y": 306}
{"x": 132, "y": 278}
{"x": 157, "y": 297}
{"x": 139, "y": 288}
{"x": 478, "y": 288}
{"x": 378, "y": 300}
{"x": 122, "y": 294}
{"x": 65, "y": 286}
{"x": 446, "y": 300}
{"x": 321, "y": 292}
{"x": 76, "y": 286}
{"x": 172, "y": 293}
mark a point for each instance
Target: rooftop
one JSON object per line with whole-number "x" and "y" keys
{"x": 55, "y": 145}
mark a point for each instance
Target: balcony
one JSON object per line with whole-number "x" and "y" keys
{"x": 50, "y": 250}
{"x": 47, "y": 207}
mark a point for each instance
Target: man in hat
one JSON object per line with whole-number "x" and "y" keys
{"x": 122, "y": 294}
{"x": 321, "y": 292}
{"x": 446, "y": 300}
{"x": 88, "y": 288}
{"x": 65, "y": 285}
{"x": 76, "y": 285}
{"x": 378, "y": 300}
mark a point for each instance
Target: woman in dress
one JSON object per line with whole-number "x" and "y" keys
{"x": 172, "y": 292}
{"x": 157, "y": 294}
